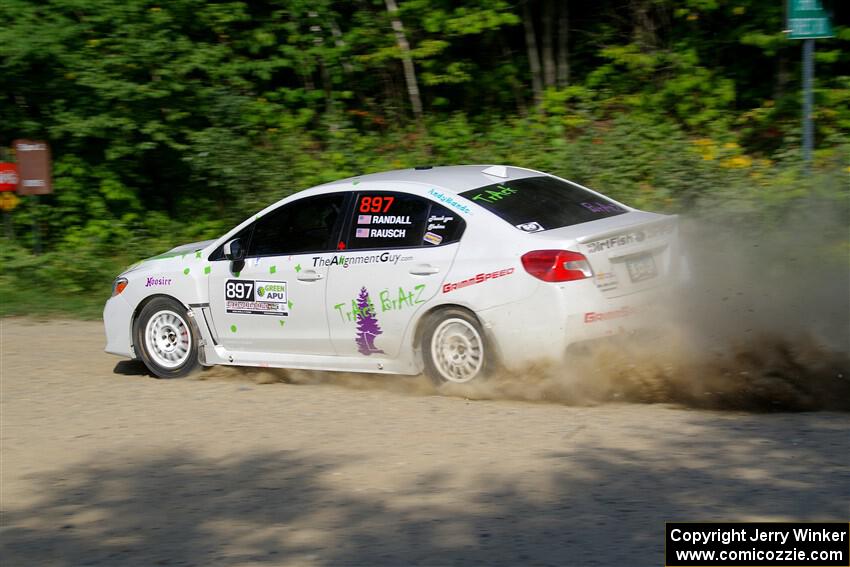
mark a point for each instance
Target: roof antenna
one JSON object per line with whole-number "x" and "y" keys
{"x": 496, "y": 171}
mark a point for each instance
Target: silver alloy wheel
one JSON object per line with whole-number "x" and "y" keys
{"x": 457, "y": 350}
{"x": 167, "y": 339}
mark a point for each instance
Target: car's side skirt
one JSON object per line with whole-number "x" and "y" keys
{"x": 213, "y": 353}
{"x": 220, "y": 355}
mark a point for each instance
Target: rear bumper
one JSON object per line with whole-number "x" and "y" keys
{"x": 117, "y": 322}
{"x": 541, "y": 327}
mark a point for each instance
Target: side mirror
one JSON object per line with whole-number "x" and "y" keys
{"x": 233, "y": 250}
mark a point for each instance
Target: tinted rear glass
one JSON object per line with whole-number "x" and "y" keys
{"x": 542, "y": 203}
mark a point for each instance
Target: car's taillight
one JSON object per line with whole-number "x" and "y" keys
{"x": 557, "y": 265}
{"x": 118, "y": 286}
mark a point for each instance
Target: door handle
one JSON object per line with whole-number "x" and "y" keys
{"x": 424, "y": 270}
{"x": 309, "y": 276}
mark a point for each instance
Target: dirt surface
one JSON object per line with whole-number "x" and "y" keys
{"x": 103, "y": 465}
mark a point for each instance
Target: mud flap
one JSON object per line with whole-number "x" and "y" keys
{"x": 199, "y": 318}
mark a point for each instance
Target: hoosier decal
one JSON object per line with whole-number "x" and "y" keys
{"x": 155, "y": 282}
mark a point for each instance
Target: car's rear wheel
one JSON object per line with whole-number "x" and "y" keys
{"x": 454, "y": 348}
{"x": 165, "y": 338}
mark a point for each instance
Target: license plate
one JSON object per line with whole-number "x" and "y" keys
{"x": 642, "y": 268}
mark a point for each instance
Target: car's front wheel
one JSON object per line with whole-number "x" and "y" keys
{"x": 454, "y": 348}
{"x": 165, "y": 338}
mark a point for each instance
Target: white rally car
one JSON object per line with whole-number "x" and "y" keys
{"x": 450, "y": 270}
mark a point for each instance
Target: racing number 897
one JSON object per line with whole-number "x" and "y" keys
{"x": 238, "y": 290}
{"x": 375, "y": 204}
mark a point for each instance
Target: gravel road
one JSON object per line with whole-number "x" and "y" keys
{"x": 103, "y": 465}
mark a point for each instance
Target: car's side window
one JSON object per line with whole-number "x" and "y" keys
{"x": 384, "y": 219}
{"x": 444, "y": 226}
{"x": 306, "y": 225}
{"x": 387, "y": 219}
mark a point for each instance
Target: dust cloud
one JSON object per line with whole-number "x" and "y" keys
{"x": 761, "y": 323}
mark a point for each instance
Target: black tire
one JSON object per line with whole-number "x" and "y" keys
{"x": 169, "y": 345}
{"x": 454, "y": 348}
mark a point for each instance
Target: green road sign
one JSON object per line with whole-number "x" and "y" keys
{"x": 807, "y": 20}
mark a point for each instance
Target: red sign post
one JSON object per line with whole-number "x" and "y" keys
{"x": 8, "y": 176}
{"x": 8, "y": 199}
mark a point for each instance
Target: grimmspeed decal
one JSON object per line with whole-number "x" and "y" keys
{"x": 256, "y": 297}
{"x": 477, "y": 279}
{"x": 595, "y": 317}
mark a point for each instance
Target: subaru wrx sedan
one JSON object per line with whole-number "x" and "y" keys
{"x": 448, "y": 270}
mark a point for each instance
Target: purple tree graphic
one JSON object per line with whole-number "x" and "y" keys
{"x": 367, "y": 325}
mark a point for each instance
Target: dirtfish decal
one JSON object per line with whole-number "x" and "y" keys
{"x": 614, "y": 241}
{"x": 630, "y": 237}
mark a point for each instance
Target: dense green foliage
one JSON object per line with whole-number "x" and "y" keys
{"x": 171, "y": 121}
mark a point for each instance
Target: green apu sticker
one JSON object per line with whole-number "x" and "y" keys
{"x": 272, "y": 269}
{"x": 233, "y": 328}
{"x": 198, "y": 254}
{"x": 186, "y": 272}
{"x": 297, "y": 267}
{"x": 282, "y": 322}
{"x": 290, "y": 304}
{"x": 207, "y": 270}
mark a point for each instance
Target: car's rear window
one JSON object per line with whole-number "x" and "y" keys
{"x": 542, "y": 203}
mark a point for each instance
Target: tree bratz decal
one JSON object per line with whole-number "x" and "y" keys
{"x": 367, "y": 325}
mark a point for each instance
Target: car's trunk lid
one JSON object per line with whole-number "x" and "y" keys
{"x": 628, "y": 253}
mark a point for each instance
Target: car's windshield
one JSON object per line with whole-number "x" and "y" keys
{"x": 542, "y": 203}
